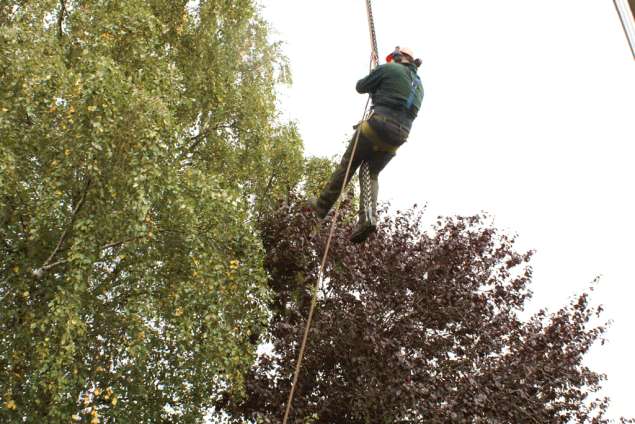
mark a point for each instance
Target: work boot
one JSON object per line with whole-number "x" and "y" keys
{"x": 366, "y": 225}
{"x": 362, "y": 230}
{"x": 312, "y": 204}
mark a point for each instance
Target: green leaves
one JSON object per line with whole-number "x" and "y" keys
{"x": 139, "y": 142}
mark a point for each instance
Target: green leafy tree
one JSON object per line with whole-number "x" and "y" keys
{"x": 138, "y": 141}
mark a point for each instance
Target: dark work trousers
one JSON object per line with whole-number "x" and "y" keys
{"x": 377, "y": 144}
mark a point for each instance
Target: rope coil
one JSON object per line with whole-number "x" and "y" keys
{"x": 374, "y": 56}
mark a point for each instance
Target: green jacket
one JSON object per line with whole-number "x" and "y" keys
{"x": 393, "y": 85}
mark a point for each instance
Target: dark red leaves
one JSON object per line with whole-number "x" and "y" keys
{"x": 416, "y": 326}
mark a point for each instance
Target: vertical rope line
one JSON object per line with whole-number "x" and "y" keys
{"x": 629, "y": 21}
{"x": 371, "y": 31}
{"x": 624, "y": 27}
{"x": 318, "y": 283}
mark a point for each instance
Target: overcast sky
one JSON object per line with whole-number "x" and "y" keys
{"x": 528, "y": 115}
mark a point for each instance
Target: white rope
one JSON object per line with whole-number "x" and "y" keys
{"x": 625, "y": 13}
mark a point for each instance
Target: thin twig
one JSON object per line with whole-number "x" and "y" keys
{"x": 270, "y": 183}
{"x": 60, "y": 18}
{"x": 273, "y": 176}
{"x": 198, "y": 139}
{"x": 119, "y": 243}
{"x": 40, "y": 271}
{"x": 49, "y": 266}
{"x": 69, "y": 226}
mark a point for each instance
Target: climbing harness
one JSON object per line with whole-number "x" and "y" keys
{"x": 367, "y": 206}
{"x": 416, "y": 83}
{"x": 379, "y": 145}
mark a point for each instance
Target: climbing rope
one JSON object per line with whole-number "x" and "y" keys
{"x": 371, "y": 31}
{"x": 298, "y": 365}
{"x": 624, "y": 25}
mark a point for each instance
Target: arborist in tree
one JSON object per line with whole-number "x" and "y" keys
{"x": 396, "y": 93}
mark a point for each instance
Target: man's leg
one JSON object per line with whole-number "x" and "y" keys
{"x": 369, "y": 190}
{"x": 367, "y": 221}
{"x": 375, "y": 165}
{"x": 332, "y": 190}
{"x": 367, "y": 193}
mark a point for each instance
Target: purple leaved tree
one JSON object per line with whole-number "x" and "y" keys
{"x": 416, "y": 326}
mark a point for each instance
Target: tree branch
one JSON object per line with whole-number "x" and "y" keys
{"x": 40, "y": 271}
{"x": 47, "y": 264}
{"x": 198, "y": 138}
{"x": 119, "y": 243}
{"x": 270, "y": 183}
{"x": 70, "y": 224}
{"x": 60, "y": 18}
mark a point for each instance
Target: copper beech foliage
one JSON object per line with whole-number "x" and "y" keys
{"x": 417, "y": 326}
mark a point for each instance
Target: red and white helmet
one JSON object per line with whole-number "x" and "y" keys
{"x": 400, "y": 50}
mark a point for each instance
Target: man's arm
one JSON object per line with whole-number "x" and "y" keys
{"x": 370, "y": 83}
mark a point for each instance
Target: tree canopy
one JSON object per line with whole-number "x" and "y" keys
{"x": 140, "y": 140}
{"x": 418, "y": 326}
